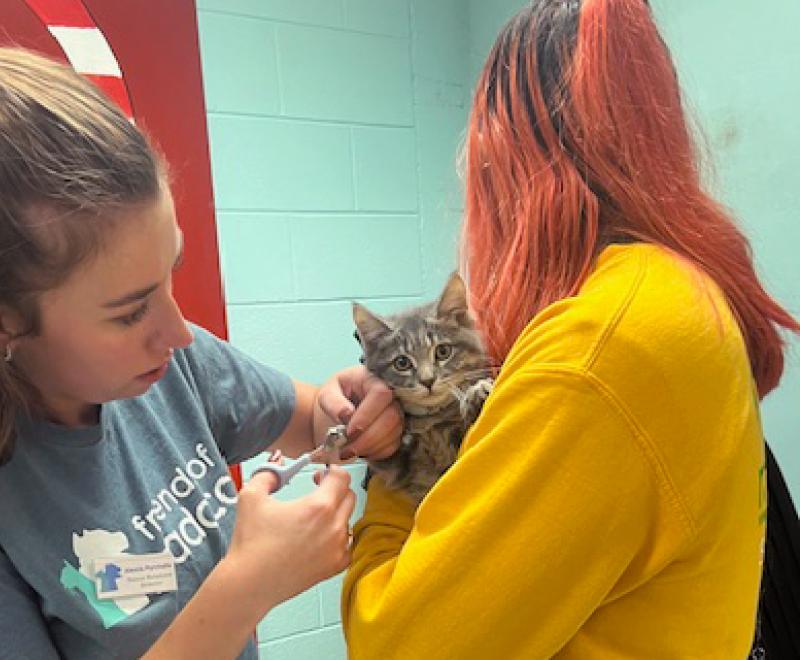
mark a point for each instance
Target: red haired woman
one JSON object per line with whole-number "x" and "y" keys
{"x": 608, "y": 502}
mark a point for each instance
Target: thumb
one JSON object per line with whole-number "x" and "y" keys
{"x": 264, "y": 482}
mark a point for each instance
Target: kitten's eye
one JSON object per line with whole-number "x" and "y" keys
{"x": 443, "y": 351}
{"x": 402, "y": 363}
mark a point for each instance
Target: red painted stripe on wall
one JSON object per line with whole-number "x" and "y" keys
{"x": 62, "y": 13}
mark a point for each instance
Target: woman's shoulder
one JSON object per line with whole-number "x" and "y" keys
{"x": 655, "y": 338}
{"x": 641, "y": 306}
{"x": 663, "y": 311}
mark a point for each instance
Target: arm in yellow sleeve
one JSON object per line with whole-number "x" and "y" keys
{"x": 552, "y": 504}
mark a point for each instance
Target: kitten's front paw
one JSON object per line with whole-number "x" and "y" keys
{"x": 474, "y": 398}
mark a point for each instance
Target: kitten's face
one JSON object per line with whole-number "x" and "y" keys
{"x": 425, "y": 354}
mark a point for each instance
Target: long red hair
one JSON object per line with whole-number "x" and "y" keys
{"x": 577, "y": 139}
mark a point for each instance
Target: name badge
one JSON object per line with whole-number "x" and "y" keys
{"x": 120, "y": 576}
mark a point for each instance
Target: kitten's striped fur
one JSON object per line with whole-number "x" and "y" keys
{"x": 432, "y": 357}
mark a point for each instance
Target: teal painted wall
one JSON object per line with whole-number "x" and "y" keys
{"x": 334, "y": 128}
{"x": 738, "y": 63}
{"x": 485, "y": 21}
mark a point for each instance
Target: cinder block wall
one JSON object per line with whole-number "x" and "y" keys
{"x": 334, "y": 128}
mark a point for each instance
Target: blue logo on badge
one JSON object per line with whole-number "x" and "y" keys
{"x": 109, "y": 576}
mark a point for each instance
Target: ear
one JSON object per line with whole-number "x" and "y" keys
{"x": 453, "y": 302}
{"x": 369, "y": 325}
{"x": 10, "y": 325}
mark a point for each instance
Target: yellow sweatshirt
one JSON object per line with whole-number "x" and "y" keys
{"x": 608, "y": 503}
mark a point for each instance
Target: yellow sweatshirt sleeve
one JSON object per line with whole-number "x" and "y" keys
{"x": 550, "y": 511}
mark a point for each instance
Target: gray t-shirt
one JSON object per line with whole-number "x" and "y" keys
{"x": 151, "y": 476}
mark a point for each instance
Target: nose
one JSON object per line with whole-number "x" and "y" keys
{"x": 428, "y": 381}
{"x": 172, "y": 331}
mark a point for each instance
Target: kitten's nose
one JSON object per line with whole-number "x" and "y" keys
{"x": 428, "y": 382}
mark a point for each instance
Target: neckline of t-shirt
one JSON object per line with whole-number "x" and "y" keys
{"x": 43, "y": 430}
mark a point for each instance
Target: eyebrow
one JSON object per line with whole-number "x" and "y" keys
{"x": 140, "y": 294}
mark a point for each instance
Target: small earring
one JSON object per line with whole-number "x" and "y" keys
{"x": 8, "y": 355}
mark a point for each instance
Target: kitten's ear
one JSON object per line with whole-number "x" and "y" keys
{"x": 362, "y": 358}
{"x": 368, "y": 324}
{"x": 453, "y": 302}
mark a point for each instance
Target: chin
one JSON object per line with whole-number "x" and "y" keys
{"x": 422, "y": 399}
{"x": 134, "y": 389}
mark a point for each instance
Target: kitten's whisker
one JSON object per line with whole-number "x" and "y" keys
{"x": 473, "y": 371}
{"x": 458, "y": 395}
{"x": 466, "y": 376}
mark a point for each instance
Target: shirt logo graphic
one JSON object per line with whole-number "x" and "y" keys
{"x": 109, "y": 576}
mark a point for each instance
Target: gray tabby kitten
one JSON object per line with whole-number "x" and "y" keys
{"x": 432, "y": 357}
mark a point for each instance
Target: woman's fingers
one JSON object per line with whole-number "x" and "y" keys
{"x": 375, "y": 398}
{"x": 381, "y": 439}
{"x": 264, "y": 482}
{"x": 377, "y": 424}
{"x": 345, "y": 511}
{"x": 335, "y": 398}
{"x": 333, "y": 484}
{"x": 366, "y": 404}
{"x": 345, "y": 498}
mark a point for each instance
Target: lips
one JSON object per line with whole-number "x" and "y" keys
{"x": 160, "y": 368}
{"x": 155, "y": 374}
